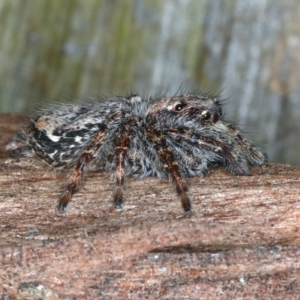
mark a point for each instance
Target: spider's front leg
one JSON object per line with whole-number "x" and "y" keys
{"x": 216, "y": 149}
{"x": 250, "y": 152}
{"x": 234, "y": 162}
{"x": 170, "y": 164}
{"x": 77, "y": 174}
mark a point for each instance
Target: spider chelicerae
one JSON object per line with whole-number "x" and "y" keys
{"x": 178, "y": 136}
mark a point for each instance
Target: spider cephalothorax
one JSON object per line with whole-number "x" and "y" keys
{"x": 175, "y": 137}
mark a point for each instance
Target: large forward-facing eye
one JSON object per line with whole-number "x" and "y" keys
{"x": 205, "y": 115}
{"x": 179, "y": 106}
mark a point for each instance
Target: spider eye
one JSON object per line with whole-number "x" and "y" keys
{"x": 206, "y": 115}
{"x": 178, "y": 107}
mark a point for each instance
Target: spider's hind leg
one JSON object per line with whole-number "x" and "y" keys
{"x": 120, "y": 152}
{"x": 18, "y": 145}
{"x": 77, "y": 174}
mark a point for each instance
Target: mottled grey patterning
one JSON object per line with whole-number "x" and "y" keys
{"x": 175, "y": 137}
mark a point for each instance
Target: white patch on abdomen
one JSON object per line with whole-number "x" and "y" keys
{"x": 52, "y": 137}
{"x": 78, "y": 139}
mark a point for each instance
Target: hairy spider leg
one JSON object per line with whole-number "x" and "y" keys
{"x": 85, "y": 158}
{"x": 234, "y": 164}
{"x": 254, "y": 156}
{"x": 17, "y": 146}
{"x": 170, "y": 164}
{"x": 121, "y": 149}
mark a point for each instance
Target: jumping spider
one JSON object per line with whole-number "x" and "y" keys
{"x": 176, "y": 137}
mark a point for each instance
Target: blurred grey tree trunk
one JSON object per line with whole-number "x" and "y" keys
{"x": 70, "y": 49}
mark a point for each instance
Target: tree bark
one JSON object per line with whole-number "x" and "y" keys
{"x": 241, "y": 239}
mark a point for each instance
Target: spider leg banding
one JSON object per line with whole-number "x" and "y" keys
{"x": 167, "y": 137}
{"x": 84, "y": 160}
{"x": 170, "y": 164}
{"x": 120, "y": 153}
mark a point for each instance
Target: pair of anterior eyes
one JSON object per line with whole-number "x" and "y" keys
{"x": 205, "y": 114}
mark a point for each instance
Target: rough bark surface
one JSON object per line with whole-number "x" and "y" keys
{"x": 240, "y": 241}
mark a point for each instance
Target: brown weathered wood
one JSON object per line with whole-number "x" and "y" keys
{"x": 241, "y": 239}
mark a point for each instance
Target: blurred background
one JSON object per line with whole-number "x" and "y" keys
{"x": 53, "y": 51}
